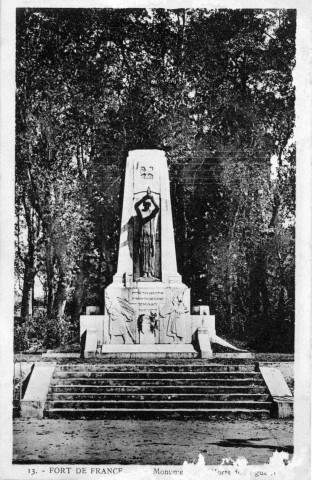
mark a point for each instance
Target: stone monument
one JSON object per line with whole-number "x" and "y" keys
{"x": 153, "y": 304}
{"x": 147, "y": 306}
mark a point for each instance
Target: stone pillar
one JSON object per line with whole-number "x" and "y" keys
{"x": 146, "y": 169}
{"x": 204, "y": 342}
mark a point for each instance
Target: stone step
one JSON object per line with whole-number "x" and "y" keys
{"x": 156, "y": 375}
{"x": 127, "y": 367}
{"x": 161, "y": 350}
{"x": 147, "y": 404}
{"x": 102, "y": 360}
{"x": 155, "y": 413}
{"x": 150, "y": 355}
{"x": 158, "y": 396}
{"x": 200, "y": 389}
{"x": 249, "y": 381}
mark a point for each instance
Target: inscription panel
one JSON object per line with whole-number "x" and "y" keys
{"x": 146, "y": 300}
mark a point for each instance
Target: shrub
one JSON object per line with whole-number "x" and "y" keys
{"x": 43, "y": 331}
{"x": 21, "y": 341}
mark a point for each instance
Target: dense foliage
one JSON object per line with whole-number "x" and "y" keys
{"x": 40, "y": 332}
{"x": 211, "y": 88}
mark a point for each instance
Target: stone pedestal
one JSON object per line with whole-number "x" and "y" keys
{"x": 95, "y": 322}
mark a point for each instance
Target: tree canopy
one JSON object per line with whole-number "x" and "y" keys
{"x": 213, "y": 88}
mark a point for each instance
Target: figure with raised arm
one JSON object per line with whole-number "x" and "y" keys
{"x": 147, "y": 242}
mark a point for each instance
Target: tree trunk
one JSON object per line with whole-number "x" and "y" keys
{"x": 59, "y": 244}
{"x": 78, "y": 297}
{"x": 28, "y": 286}
{"x": 60, "y": 298}
{"x": 50, "y": 276}
{"x": 61, "y": 291}
{"x": 29, "y": 261}
{"x": 258, "y": 287}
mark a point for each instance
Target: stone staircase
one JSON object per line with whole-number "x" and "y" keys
{"x": 143, "y": 390}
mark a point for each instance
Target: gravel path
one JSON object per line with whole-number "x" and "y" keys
{"x": 146, "y": 442}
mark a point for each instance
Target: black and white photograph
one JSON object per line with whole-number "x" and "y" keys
{"x": 156, "y": 241}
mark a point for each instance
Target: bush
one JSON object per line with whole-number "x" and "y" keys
{"x": 43, "y": 331}
{"x": 56, "y": 332}
{"x": 21, "y": 341}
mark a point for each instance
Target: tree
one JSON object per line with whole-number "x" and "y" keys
{"x": 214, "y": 90}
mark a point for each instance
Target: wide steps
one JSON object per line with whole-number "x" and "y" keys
{"x": 157, "y": 375}
{"x": 160, "y": 382}
{"x": 145, "y": 390}
{"x": 178, "y": 414}
{"x": 59, "y": 397}
{"x": 180, "y": 368}
{"x": 142, "y": 389}
{"x": 156, "y": 403}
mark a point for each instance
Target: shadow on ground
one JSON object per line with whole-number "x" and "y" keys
{"x": 242, "y": 443}
{"x": 148, "y": 442}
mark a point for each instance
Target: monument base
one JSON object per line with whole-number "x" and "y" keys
{"x": 149, "y": 351}
{"x": 147, "y": 313}
{"x": 95, "y": 333}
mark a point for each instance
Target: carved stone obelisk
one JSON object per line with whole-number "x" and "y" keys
{"x": 147, "y": 306}
{"x": 147, "y": 301}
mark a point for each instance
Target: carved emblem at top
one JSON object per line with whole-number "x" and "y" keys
{"x": 147, "y": 172}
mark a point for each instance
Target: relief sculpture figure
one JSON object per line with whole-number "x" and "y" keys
{"x": 176, "y": 309}
{"x": 120, "y": 313}
{"x": 147, "y": 232}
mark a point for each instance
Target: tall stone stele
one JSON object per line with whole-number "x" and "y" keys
{"x": 147, "y": 305}
{"x": 147, "y": 301}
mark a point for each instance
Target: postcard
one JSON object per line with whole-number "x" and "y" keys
{"x": 155, "y": 239}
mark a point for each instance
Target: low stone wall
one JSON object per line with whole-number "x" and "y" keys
{"x": 32, "y": 404}
{"x": 275, "y": 374}
{"x": 22, "y": 370}
{"x": 287, "y": 369}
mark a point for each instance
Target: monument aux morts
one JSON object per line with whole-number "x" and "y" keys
{"x": 148, "y": 314}
{"x": 147, "y": 306}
